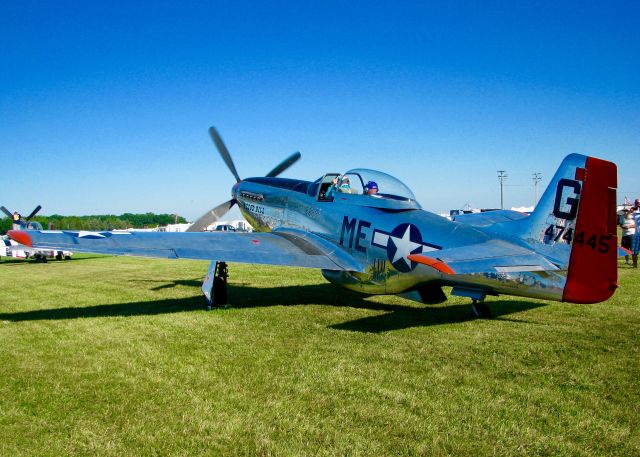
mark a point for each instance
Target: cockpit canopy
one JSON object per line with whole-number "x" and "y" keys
{"x": 388, "y": 186}
{"x": 34, "y": 225}
{"x": 391, "y": 194}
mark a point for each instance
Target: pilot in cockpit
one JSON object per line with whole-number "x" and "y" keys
{"x": 371, "y": 188}
{"x": 332, "y": 188}
{"x": 345, "y": 185}
{"x": 338, "y": 184}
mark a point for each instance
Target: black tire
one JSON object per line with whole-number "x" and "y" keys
{"x": 219, "y": 292}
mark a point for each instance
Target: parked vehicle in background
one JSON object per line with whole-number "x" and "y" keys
{"x": 225, "y": 228}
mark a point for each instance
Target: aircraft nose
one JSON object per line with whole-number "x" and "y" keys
{"x": 234, "y": 191}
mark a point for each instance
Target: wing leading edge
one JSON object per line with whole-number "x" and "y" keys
{"x": 284, "y": 247}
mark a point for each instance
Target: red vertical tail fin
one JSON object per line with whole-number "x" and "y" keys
{"x": 593, "y": 267}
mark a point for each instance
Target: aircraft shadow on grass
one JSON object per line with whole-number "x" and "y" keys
{"x": 169, "y": 284}
{"x": 396, "y": 316}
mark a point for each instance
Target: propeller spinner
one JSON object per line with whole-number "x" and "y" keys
{"x": 219, "y": 211}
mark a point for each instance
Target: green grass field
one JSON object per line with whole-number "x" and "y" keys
{"x": 117, "y": 356}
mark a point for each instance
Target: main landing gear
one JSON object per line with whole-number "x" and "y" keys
{"x": 480, "y": 309}
{"x": 214, "y": 286}
{"x": 40, "y": 258}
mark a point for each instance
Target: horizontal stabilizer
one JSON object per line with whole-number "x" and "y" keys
{"x": 623, "y": 251}
{"x": 488, "y": 217}
{"x": 494, "y": 256}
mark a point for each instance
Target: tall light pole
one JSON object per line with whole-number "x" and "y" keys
{"x": 502, "y": 176}
{"x": 536, "y": 179}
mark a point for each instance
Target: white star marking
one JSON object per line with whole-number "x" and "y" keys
{"x": 404, "y": 246}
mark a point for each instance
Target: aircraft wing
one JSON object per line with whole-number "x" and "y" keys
{"x": 494, "y": 256}
{"x": 282, "y": 247}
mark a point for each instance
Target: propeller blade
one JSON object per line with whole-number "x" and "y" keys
{"x": 33, "y": 213}
{"x": 211, "y": 216}
{"x": 282, "y": 166}
{"x": 7, "y": 212}
{"x": 224, "y": 152}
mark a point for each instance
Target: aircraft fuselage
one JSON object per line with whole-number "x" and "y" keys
{"x": 379, "y": 234}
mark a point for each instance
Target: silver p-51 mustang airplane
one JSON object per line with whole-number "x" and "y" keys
{"x": 387, "y": 244}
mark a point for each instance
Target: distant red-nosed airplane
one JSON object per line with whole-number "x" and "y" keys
{"x": 11, "y": 248}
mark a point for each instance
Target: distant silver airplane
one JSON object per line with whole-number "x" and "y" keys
{"x": 369, "y": 234}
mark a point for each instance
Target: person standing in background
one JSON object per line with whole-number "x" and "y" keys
{"x": 635, "y": 244}
{"x": 628, "y": 226}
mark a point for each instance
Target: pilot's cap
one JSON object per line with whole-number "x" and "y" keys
{"x": 372, "y": 185}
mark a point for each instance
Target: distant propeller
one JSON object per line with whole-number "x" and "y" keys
{"x": 219, "y": 211}
{"x": 33, "y": 213}
{"x": 10, "y": 215}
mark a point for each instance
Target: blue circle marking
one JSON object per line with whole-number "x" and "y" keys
{"x": 403, "y": 241}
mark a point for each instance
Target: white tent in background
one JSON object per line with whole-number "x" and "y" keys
{"x": 523, "y": 209}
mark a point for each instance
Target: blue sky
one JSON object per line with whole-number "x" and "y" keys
{"x": 105, "y": 106}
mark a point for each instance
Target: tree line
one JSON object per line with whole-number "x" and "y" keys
{"x": 100, "y": 222}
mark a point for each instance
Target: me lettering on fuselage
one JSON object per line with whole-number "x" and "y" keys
{"x": 347, "y": 231}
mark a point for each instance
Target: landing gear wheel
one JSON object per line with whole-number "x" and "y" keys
{"x": 480, "y": 309}
{"x": 217, "y": 298}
